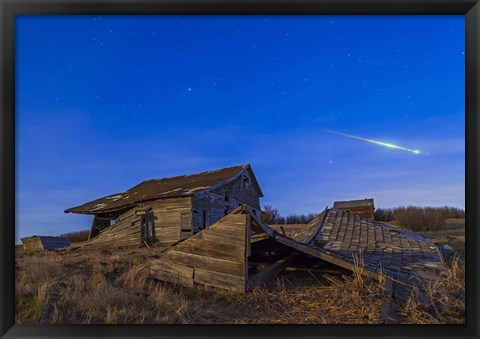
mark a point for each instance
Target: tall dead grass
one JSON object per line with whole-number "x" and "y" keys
{"x": 446, "y": 297}
{"x": 120, "y": 291}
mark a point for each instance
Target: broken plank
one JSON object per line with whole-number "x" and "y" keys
{"x": 271, "y": 271}
{"x": 322, "y": 255}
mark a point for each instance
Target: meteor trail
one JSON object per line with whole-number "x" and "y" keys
{"x": 415, "y": 151}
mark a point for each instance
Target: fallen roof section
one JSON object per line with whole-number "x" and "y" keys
{"x": 350, "y": 241}
{"x": 178, "y": 186}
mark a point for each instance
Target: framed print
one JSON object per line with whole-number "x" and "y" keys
{"x": 175, "y": 169}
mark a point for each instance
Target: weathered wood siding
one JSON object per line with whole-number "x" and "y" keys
{"x": 124, "y": 233}
{"x": 32, "y": 244}
{"x": 209, "y": 207}
{"x": 217, "y": 256}
{"x": 362, "y": 211}
{"x": 241, "y": 190}
{"x": 363, "y": 207}
{"x": 173, "y": 218}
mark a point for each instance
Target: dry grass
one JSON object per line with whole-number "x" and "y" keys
{"x": 446, "y": 298}
{"x": 116, "y": 289}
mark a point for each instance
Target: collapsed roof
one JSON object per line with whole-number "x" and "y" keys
{"x": 178, "y": 186}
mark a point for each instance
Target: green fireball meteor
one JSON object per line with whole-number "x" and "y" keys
{"x": 415, "y": 151}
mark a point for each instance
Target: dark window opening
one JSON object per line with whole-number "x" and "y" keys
{"x": 147, "y": 228}
{"x": 246, "y": 181}
{"x": 204, "y": 219}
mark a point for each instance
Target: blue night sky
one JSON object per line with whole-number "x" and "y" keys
{"x": 104, "y": 103}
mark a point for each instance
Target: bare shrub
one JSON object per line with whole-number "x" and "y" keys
{"x": 420, "y": 218}
{"x": 384, "y": 214}
{"x": 270, "y": 215}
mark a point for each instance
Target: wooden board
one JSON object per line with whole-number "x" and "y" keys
{"x": 207, "y": 263}
{"x": 212, "y": 249}
{"x": 271, "y": 271}
{"x": 222, "y": 280}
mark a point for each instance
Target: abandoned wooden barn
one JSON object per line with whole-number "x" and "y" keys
{"x": 364, "y": 207}
{"x": 39, "y": 243}
{"x": 168, "y": 210}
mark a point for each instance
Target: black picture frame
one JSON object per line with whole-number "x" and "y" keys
{"x": 9, "y": 9}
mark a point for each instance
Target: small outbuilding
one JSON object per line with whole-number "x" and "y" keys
{"x": 168, "y": 210}
{"x": 40, "y": 243}
{"x": 364, "y": 208}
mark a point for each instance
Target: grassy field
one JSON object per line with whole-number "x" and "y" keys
{"x": 114, "y": 288}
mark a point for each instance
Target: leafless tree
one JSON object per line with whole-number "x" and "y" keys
{"x": 270, "y": 215}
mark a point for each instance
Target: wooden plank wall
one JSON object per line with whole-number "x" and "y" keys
{"x": 217, "y": 256}
{"x": 173, "y": 222}
{"x": 240, "y": 190}
{"x": 173, "y": 218}
{"x": 32, "y": 244}
{"x": 213, "y": 205}
{"x": 124, "y": 233}
{"x": 210, "y": 206}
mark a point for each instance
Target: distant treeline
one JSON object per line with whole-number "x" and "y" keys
{"x": 420, "y": 218}
{"x": 76, "y": 236}
{"x": 271, "y": 215}
{"x": 411, "y": 217}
